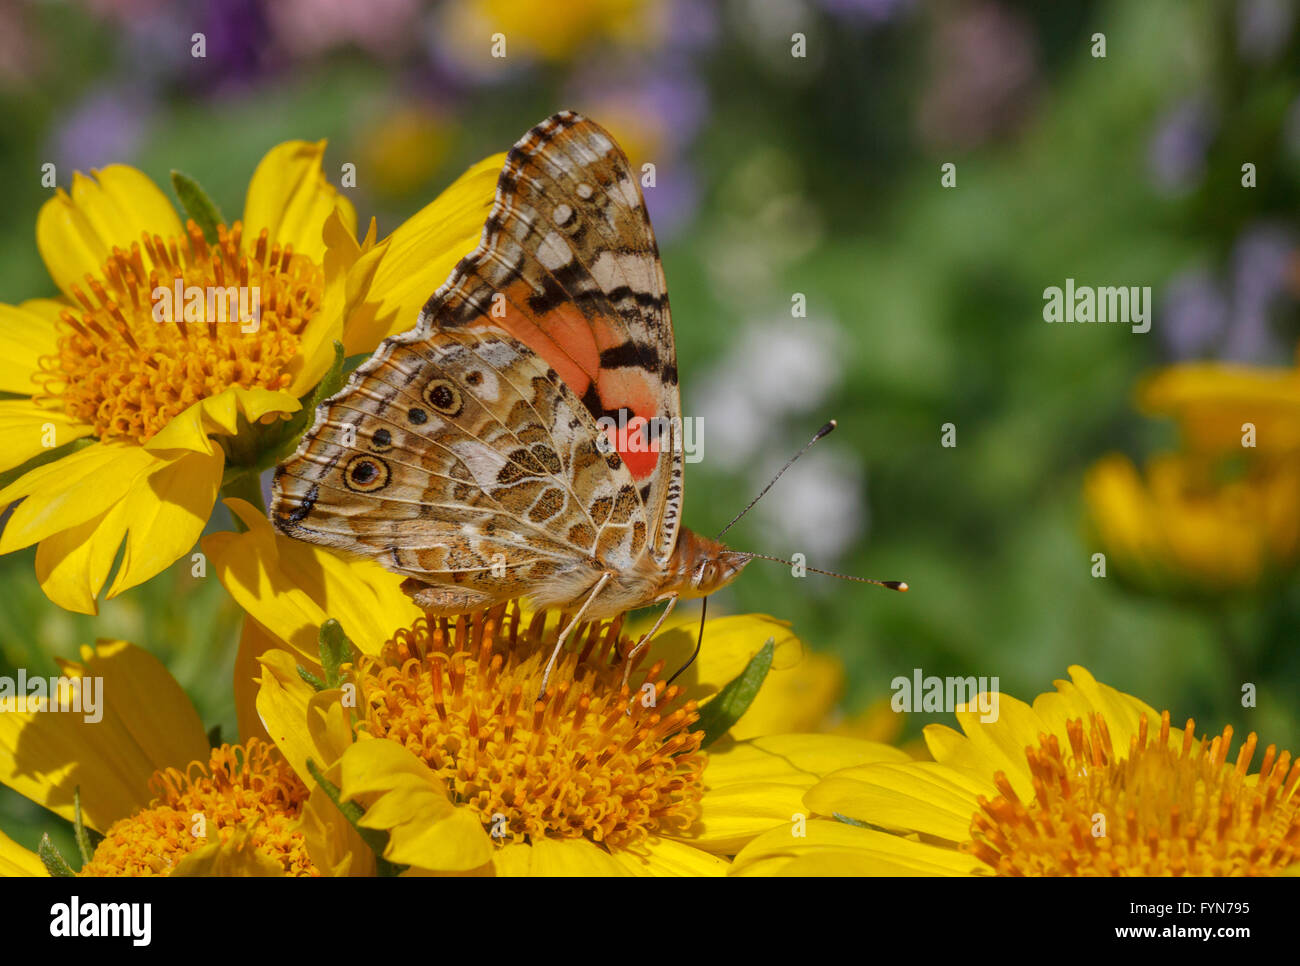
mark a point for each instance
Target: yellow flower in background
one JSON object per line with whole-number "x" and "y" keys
{"x": 125, "y": 426}
{"x": 1087, "y": 781}
{"x": 1213, "y": 404}
{"x": 1182, "y": 527}
{"x": 143, "y": 770}
{"x": 403, "y": 147}
{"x": 1222, "y": 515}
{"x": 459, "y": 767}
{"x": 549, "y": 32}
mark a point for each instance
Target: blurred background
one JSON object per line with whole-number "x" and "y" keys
{"x": 819, "y": 176}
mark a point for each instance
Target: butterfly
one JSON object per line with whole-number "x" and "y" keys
{"x": 524, "y": 439}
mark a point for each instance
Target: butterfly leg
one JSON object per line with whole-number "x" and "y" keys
{"x": 632, "y": 654}
{"x": 564, "y": 634}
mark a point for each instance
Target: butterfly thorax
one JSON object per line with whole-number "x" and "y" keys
{"x": 699, "y": 566}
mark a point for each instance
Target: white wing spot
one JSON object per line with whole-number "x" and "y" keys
{"x": 584, "y": 191}
{"x": 554, "y": 252}
{"x": 561, "y": 214}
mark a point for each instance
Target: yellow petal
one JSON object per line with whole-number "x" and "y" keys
{"x": 666, "y": 857}
{"x": 1000, "y": 745}
{"x": 316, "y": 343}
{"x": 752, "y": 786}
{"x": 28, "y": 429}
{"x": 564, "y": 858}
{"x": 291, "y": 587}
{"x": 920, "y": 796}
{"x": 799, "y": 760}
{"x": 420, "y": 255}
{"x": 237, "y": 856}
{"x": 166, "y": 515}
{"x": 729, "y": 645}
{"x": 333, "y": 845}
{"x": 732, "y": 816}
{"x": 1084, "y": 695}
{"x": 26, "y": 334}
{"x": 795, "y": 699}
{"x": 425, "y": 829}
{"x": 282, "y": 700}
{"x": 69, "y": 491}
{"x": 220, "y": 414}
{"x": 146, "y": 722}
{"x": 76, "y": 234}
{"x": 254, "y": 642}
{"x": 16, "y": 861}
{"x": 73, "y": 564}
{"x": 837, "y": 849}
{"x": 291, "y": 198}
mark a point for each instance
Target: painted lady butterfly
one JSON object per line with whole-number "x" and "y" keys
{"x": 524, "y": 438}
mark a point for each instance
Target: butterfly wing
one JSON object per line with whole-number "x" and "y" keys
{"x": 463, "y": 462}
{"x": 569, "y": 266}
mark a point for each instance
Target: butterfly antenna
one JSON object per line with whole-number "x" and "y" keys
{"x": 824, "y": 431}
{"x": 899, "y": 585}
{"x": 699, "y": 642}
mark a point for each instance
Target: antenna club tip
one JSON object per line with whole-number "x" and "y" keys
{"x": 898, "y": 585}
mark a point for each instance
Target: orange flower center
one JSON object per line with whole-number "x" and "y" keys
{"x": 575, "y": 764}
{"x": 248, "y": 787}
{"x": 1168, "y": 808}
{"x": 172, "y": 322}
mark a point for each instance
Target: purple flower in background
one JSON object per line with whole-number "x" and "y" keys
{"x": 1176, "y": 156}
{"x": 1263, "y": 28}
{"x": 866, "y": 11}
{"x": 1232, "y": 321}
{"x": 984, "y": 67}
{"x": 105, "y": 127}
{"x": 383, "y": 28}
{"x": 654, "y": 110}
{"x": 1196, "y": 314}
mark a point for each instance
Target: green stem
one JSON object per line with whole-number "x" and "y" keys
{"x": 246, "y": 486}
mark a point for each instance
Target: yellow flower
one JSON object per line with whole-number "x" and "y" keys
{"x": 1087, "y": 781}
{"x": 1223, "y": 514}
{"x": 1184, "y": 528}
{"x": 551, "y": 32}
{"x": 156, "y": 799}
{"x": 437, "y": 734}
{"x": 123, "y": 427}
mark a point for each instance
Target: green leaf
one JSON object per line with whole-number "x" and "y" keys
{"x": 55, "y": 864}
{"x": 87, "y": 838}
{"x": 198, "y": 205}
{"x": 376, "y": 839}
{"x": 316, "y": 683}
{"x": 717, "y": 717}
{"x": 335, "y": 651}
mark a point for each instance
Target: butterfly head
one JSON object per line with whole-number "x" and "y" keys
{"x": 702, "y": 566}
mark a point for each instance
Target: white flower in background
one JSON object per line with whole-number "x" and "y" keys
{"x": 818, "y": 509}
{"x": 774, "y": 371}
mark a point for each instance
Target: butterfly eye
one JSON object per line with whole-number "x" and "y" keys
{"x": 444, "y": 397}
{"x": 365, "y": 474}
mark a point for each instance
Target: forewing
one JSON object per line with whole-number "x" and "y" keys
{"x": 568, "y": 264}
